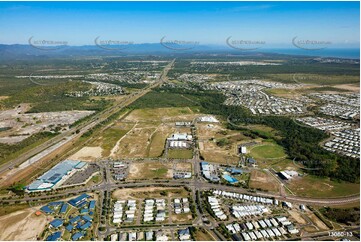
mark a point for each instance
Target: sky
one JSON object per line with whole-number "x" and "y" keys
{"x": 275, "y": 23}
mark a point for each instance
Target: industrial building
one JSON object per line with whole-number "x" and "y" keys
{"x": 208, "y": 119}
{"x": 56, "y": 175}
{"x": 180, "y": 136}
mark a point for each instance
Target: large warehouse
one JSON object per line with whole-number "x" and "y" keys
{"x": 56, "y": 175}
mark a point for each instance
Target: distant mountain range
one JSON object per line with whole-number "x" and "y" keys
{"x": 23, "y": 52}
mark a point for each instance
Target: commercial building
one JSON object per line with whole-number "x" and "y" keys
{"x": 209, "y": 171}
{"x": 79, "y": 201}
{"x": 56, "y": 175}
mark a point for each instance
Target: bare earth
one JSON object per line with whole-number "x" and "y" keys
{"x": 148, "y": 192}
{"x": 349, "y": 87}
{"x": 22, "y": 225}
{"x": 263, "y": 181}
{"x": 147, "y": 170}
{"x": 296, "y": 216}
{"x": 317, "y": 221}
{"x": 87, "y": 154}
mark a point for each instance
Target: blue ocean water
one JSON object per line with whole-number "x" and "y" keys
{"x": 338, "y": 53}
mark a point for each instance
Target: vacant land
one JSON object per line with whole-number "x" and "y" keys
{"x": 158, "y": 139}
{"x": 135, "y": 143}
{"x": 297, "y": 216}
{"x": 316, "y": 221}
{"x": 203, "y": 235}
{"x": 150, "y": 192}
{"x": 110, "y": 137}
{"x": 87, "y": 154}
{"x": 218, "y": 144}
{"x": 161, "y": 114}
{"x": 281, "y": 164}
{"x": 312, "y": 186}
{"x": 180, "y": 153}
{"x": 147, "y": 131}
{"x": 319, "y": 79}
{"x": 264, "y": 181}
{"x": 181, "y": 218}
{"x": 22, "y": 225}
{"x": 183, "y": 166}
{"x": 150, "y": 170}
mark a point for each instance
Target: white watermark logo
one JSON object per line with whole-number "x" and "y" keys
{"x": 47, "y": 44}
{"x": 310, "y": 44}
{"x": 178, "y": 44}
{"x": 244, "y": 44}
{"x": 112, "y": 44}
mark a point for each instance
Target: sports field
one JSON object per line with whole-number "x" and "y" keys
{"x": 267, "y": 150}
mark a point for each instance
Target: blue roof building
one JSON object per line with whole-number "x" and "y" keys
{"x": 87, "y": 218}
{"x": 184, "y": 231}
{"x": 91, "y": 213}
{"x": 92, "y": 204}
{"x": 69, "y": 227}
{"x": 54, "y": 175}
{"x": 85, "y": 226}
{"x": 47, "y": 210}
{"x": 251, "y": 160}
{"x": 55, "y": 204}
{"x": 76, "y": 202}
{"x": 235, "y": 171}
{"x": 230, "y": 179}
{"x": 77, "y": 236}
{"x": 54, "y": 237}
{"x": 56, "y": 223}
{"x": 74, "y": 220}
{"x": 84, "y": 211}
{"x": 64, "y": 208}
{"x": 79, "y": 224}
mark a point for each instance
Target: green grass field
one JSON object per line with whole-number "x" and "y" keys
{"x": 312, "y": 186}
{"x": 267, "y": 151}
{"x": 110, "y": 137}
{"x": 180, "y": 154}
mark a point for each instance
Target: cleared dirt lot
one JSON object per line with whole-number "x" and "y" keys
{"x": 134, "y": 144}
{"x": 149, "y": 192}
{"x": 296, "y": 216}
{"x": 150, "y": 170}
{"x": 24, "y": 124}
{"x": 149, "y": 130}
{"x": 210, "y": 134}
{"x": 316, "y": 221}
{"x": 183, "y": 166}
{"x": 264, "y": 181}
{"x": 87, "y": 154}
{"x": 185, "y": 217}
{"x": 162, "y": 114}
{"x": 349, "y": 87}
{"x": 22, "y": 225}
